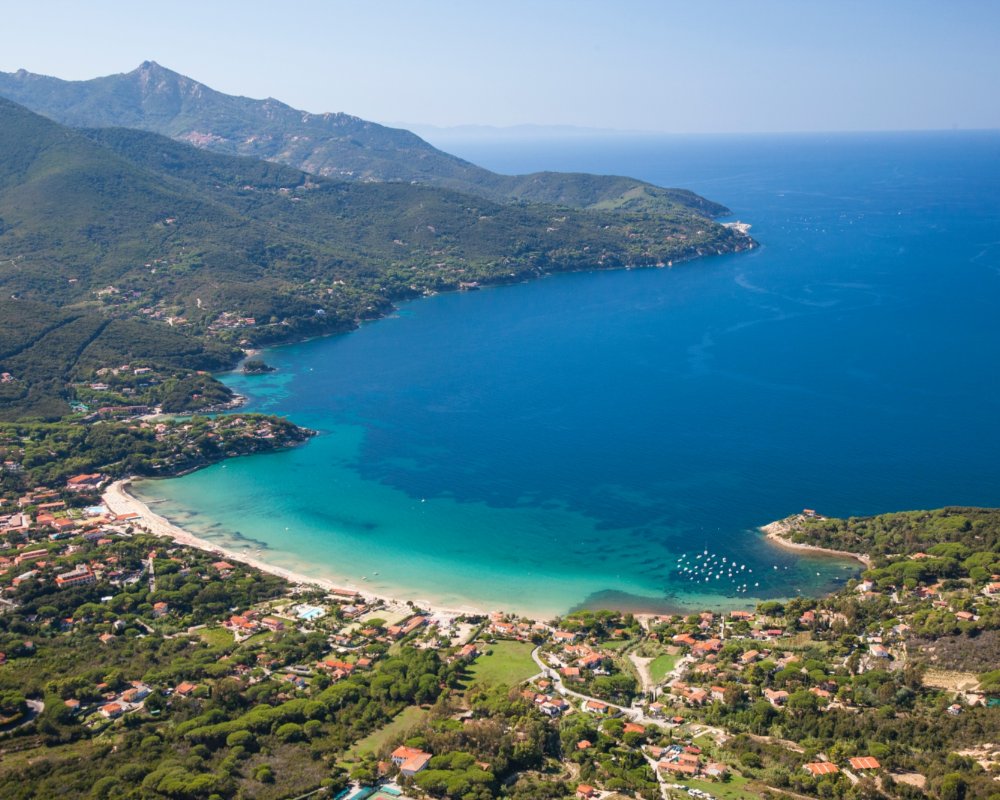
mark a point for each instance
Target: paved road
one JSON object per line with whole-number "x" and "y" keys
{"x": 35, "y": 707}
{"x": 664, "y": 793}
{"x": 632, "y": 714}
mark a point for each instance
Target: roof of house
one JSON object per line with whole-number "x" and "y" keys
{"x": 865, "y": 762}
{"x": 410, "y": 759}
{"x": 405, "y": 752}
{"x": 415, "y": 763}
{"x": 678, "y": 766}
{"x": 822, "y": 768}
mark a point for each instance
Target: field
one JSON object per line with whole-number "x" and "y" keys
{"x": 660, "y": 666}
{"x": 951, "y": 680}
{"x": 216, "y": 637}
{"x": 736, "y": 788}
{"x": 406, "y": 719}
{"x": 507, "y": 662}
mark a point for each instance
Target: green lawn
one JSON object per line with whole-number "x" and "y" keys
{"x": 401, "y": 723}
{"x": 618, "y": 644}
{"x": 257, "y": 637}
{"x": 660, "y": 666}
{"x": 508, "y": 662}
{"x": 216, "y": 637}
{"x": 733, "y": 789}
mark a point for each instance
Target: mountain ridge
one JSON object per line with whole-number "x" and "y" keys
{"x": 332, "y": 144}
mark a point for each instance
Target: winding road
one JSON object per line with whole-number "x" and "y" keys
{"x": 632, "y": 714}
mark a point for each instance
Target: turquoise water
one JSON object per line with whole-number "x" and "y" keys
{"x": 566, "y": 441}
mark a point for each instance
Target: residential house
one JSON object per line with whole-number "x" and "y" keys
{"x": 410, "y": 760}
{"x": 82, "y": 575}
{"x": 468, "y": 653}
{"x": 596, "y": 707}
{"x": 85, "y": 483}
{"x": 112, "y": 710}
{"x": 776, "y": 698}
{"x": 818, "y": 768}
{"x": 29, "y": 555}
{"x": 406, "y": 628}
{"x": 677, "y": 766}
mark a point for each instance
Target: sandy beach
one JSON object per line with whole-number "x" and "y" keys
{"x": 118, "y": 500}
{"x": 775, "y": 532}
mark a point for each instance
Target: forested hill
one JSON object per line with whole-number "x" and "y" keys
{"x": 906, "y": 533}
{"x": 157, "y": 99}
{"x": 85, "y": 210}
{"x": 230, "y": 250}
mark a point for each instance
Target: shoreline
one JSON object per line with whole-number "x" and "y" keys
{"x": 775, "y": 533}
{"x": 119, "y": 501}
{"x": 260, "y": 347}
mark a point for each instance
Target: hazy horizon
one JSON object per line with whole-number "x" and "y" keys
{"x": 657, "y": 67}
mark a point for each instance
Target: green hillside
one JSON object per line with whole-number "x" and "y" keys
{"x": 215, "y": 250}
{"x": 157, "y": 99}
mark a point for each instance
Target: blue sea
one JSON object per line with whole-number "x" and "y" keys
{"x": 582, "y": 439}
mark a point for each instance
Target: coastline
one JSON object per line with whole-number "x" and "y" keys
{"x": 528, "y": 276}
{"x": 775, "y": 532}
{"x": 120, "y": 502}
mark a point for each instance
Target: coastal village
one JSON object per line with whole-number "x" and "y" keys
{"x": 239, "y": 683}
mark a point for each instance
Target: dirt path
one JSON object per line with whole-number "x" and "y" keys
{"x": 645, "y": 676}
{"x": 795, "y": 748}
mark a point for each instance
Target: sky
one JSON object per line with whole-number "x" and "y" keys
{"x": 700, "y": 66}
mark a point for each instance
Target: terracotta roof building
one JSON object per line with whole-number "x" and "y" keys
{"x": 818, "y": 768}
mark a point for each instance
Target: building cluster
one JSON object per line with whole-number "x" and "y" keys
{"x": 45, "y": 539}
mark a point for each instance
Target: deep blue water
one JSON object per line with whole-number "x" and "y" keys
{"x": 542, "y": 444}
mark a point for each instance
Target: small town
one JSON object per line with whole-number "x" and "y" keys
{"x": 112, "y": 638}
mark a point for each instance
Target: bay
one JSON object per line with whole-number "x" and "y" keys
{"x": 566, "y": 441}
